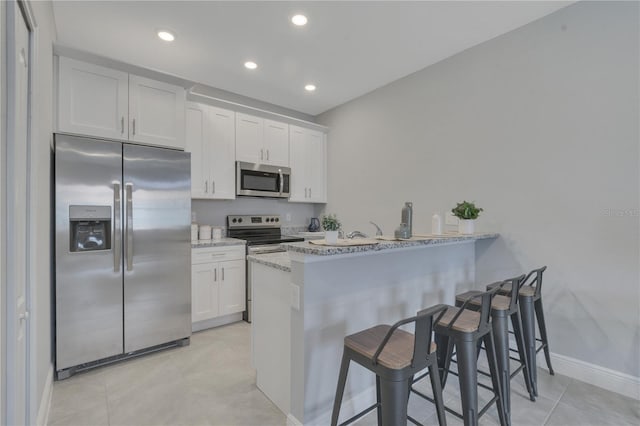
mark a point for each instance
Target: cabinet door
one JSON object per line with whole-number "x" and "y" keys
{"x": 316, "y": 176}
{"x": 221, "y": 136}
{"x": 156, "y": 112}
{"x": 196, "y": 144}
{"x": 92, "y": 100}
{"x": 249, "y": 137}
{"x": 232, "y": 286}
{"x": 204, "y": 292}
{"x": 276, "y": 143}
{"x": 298, "y": 156}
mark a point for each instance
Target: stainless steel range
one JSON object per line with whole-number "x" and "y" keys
{"x": 263, "y": 234}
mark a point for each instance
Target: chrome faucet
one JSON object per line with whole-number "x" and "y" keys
{"x": 356, "y": 234}
{"x": 378, "y": 230}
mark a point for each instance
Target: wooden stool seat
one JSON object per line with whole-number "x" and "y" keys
{"x": 398, "y": 352}
{"x": 467, "y": 322}
{"x": 499, "y": 302}
{"x": 525, "y": 290}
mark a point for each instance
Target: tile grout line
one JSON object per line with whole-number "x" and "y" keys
{"x": 546, "y": 420}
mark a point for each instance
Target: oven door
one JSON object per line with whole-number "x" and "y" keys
{"x": 259, "y": 180}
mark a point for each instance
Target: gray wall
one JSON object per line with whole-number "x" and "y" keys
{"x": 41, "y": 365}
{"x": 538, "y": 126}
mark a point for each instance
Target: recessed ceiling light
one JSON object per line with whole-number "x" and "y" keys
{"x": 166, "y": 35}
{"x": 299, "y": 20}
{"x": 310, "y": 87}
{"x": 250, "y": 65}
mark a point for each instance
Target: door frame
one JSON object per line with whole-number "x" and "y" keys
{"x": 6, "y": 319}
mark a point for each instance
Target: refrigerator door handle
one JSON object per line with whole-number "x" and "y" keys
{"x": 128, "y": 232}
{"x": 117, "y": 242}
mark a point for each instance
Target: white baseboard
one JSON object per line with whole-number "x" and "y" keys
{"x": 216, "y": 322}
{"x": 45, "y": 401}
{"x": 611, "y": 380}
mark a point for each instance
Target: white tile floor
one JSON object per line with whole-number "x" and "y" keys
{"x": 211, "y": 382}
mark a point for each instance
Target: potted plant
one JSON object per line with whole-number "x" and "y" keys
{"x": 331, "y": 225}
{"x": 467, "y": 213}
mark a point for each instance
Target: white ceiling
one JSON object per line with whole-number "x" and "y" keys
{"x": 347, "y": 49}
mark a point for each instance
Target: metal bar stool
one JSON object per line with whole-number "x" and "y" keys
{"x": 503, "y": 308}
{"x": 464, "y": 329}
{"x": 530, "y": 301}
{"x": 395, "y": 356}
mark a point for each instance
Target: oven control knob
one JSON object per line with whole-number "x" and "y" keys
{"x": 240, "y": 220}
{"x": 234, "y": 220}
{"x": 277, "y": 219}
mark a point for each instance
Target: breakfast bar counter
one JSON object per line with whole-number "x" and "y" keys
{"x": 301, "y": 316}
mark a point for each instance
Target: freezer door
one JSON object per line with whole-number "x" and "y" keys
{"x": 157, "y": 246}
{"x": 88, "y": 262}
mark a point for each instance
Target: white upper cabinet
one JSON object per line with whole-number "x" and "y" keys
{"x": 92, "y": 100}
{"x": 276, "y": 143}
{"x": 102, "y": 102}
{"x": 261, "y": 141}
{"x": 156, "y": 112}
{"x": 210, "y": 138}
{"x": 307, "y": 150}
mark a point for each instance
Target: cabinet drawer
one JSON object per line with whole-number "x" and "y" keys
{"x": 217, "y": 254}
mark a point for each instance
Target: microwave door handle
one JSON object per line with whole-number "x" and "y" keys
{"x": 281, "y": 181}
{"x": 117, "y": 244}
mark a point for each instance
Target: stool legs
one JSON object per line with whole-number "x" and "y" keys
{"x": 500, "y": 325}
{"x": 516, "y": 322}
{"x": 394, "y": 397}
{"x": 342, "y": 380}
{"x": 437, "y": 393}
{"x": 529, "y": 334}
{"x": 468, "y": 378}
{"x": 489, "y": 344}
{"x": 543, "y": 333}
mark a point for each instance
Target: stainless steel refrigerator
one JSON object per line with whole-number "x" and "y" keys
{"x": 123, "y": 252}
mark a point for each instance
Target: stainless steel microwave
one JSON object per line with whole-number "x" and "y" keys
{"x": 261, "y": 180}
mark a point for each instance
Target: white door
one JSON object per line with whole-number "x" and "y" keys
{"x": 276, "y": 143}
{"x": 232, "y": 286}
{"x": 156, "y": 112}
{"x": 196, "y": 144}
{"x": 222, "y": 149}
{"x": 249, "y": 138}
{"x": 297, "y": 150}
{"x": 92, "y": 100}
{"x": 204, "y": 291}
{"x": 17, "y": 193}
{"x": 315, "y": 166}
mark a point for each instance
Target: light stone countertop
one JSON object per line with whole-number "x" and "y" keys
{"x": 279, "y": 260}
{"x": 308, "y": 248}
{"x": 223, "y": 242}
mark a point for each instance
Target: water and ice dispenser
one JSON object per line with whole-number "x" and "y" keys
{"x": 90, "y": 228}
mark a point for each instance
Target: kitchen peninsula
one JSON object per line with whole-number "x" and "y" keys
{"x": 307, "y": 300}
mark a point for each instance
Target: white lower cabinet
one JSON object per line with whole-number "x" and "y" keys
{"x": 217, "y": 282}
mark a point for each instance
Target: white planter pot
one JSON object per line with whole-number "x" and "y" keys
{"x": 331, "y": 237}
{"x": 466, "y": 226}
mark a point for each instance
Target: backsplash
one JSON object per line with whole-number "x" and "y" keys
{"x": 215, "y": 212}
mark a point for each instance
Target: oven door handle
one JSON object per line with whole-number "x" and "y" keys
{"x": 275, "y": 248}
{"x": 281, "y": 181}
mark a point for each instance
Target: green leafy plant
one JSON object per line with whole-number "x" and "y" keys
{"x": 330, "y": 223}
{"x": 466, "y": 210}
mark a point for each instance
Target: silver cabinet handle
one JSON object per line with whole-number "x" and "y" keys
{"x": 122, "y": 125}
{"x": 129, "y": 224}
{"x": 134, "y": 127}
{"x": 267, "y": 155}
{"x": 305, "y": 192}
{"x": 117, "y": 243}
{"x": 215, "y": 275}
{"x": 223, "y": 274}
{"x": 206, "y": 186}
{"x": 262, "y": 154}
{"x": 213, "y": 186}
{"x": 309, "y": 192}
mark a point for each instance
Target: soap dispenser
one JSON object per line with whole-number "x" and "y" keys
{"x": 407, "y": 216}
